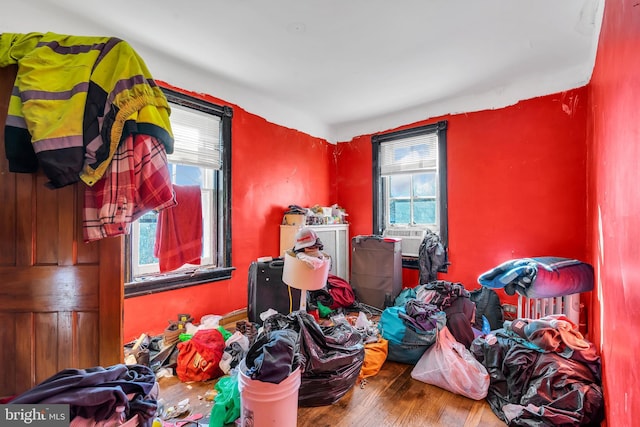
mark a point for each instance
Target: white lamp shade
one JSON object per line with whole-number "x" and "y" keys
{"x": 301, "y": 275}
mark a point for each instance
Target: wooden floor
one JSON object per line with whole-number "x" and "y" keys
{"x": 391, "y": 398}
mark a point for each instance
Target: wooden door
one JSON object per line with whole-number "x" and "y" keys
{"x": 61, "y": 300}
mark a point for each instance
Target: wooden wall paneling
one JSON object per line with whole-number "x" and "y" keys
{"x": 67, "y": 350}
{"x": 111, "y": 300}
{"x": 45, "y": 328}
{"x": 25, "y": 377}
{"x": 88, "y": 339}
{"x": 7, "y": 180}
{"x": 49, "y": 288}
{"x": 25, "y": 208}
{"x": 46, "y": 232}
{"x": 61, "y": 300}
{"x": 67, "y": 213}
{"x": 7, "y": 354}
{"x": 7, "y": 214}
{"x": 7, "y": 79}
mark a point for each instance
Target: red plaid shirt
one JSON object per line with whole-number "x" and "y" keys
{"x": 136, "y": 181}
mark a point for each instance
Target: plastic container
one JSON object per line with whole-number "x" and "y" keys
{"x": 265, "y": 404}
{"x": 295, "y": 219}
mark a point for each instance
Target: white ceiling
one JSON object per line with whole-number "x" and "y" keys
{"x": 337, "y": 69}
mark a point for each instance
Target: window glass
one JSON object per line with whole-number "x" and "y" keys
{"x": 410, "y": 181}
{"x": 400, "y": 211}
{"x": 425, "y": 212}
{"x": 147, "y": 232}
{"x": 202, "y": 133}
{"x": 188, "y": 175}
{"x": 400, "y": 186}
{"x": 424, "y": 184}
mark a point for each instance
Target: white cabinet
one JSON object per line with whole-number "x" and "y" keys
{"x": 334, "y": 237}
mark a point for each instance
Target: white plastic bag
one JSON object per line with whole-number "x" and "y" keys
{"x": 449, "y": 365}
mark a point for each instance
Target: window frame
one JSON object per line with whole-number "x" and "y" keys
{"x": 440, "y": 128}
{"x": 160, "y": 282}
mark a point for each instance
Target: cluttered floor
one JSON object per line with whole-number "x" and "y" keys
{"x": 391, "y": 398}
{"x": 414, "y": 363}
{"x": 439, "y": 356}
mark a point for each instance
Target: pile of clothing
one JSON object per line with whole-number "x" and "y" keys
{"x": 543, "y": 372}
{"x": 112, "y": 395}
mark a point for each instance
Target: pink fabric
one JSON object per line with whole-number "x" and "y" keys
{"x": 551, "y": 333}
{"x": 179, "y": 231}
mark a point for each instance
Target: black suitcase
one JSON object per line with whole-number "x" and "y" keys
{"x": 376, "y": 270}
{"x": 267, "y": 290}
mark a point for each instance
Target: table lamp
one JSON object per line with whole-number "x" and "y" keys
{"x": 305, "y": 266}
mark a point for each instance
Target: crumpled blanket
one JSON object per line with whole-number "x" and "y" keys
{"x": 540, "y": 277}
{"x": 550, "y": 333}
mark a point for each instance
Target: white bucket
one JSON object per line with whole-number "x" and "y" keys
{"x": 265, "y": 404}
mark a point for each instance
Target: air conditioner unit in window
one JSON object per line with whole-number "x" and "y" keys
{"x": 411, "y": 239}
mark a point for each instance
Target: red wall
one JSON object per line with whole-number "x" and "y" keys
{"x": 614, "y": 212}
{"x": 518, "y": 177}
{"x": 272, "y": 167}
{"x": 516, "y": 182}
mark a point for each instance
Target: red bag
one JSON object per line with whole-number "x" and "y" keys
{"x": 341, "y": 292}
{"x": 199, "y": 358}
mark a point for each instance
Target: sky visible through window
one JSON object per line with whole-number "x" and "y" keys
{"x": 419, "y": 189}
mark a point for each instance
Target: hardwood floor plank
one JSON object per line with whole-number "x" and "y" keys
{"x": 391, "y": 398}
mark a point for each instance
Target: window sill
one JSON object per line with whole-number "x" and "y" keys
{"x": 412, "y": 264}
{"x": 153, "y": 284}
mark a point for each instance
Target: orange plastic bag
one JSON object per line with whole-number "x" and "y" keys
{"x": 375, "y": 354}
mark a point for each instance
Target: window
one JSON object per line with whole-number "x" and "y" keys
{"x": 410, "y": 180}
{"x": 202, "y": 156}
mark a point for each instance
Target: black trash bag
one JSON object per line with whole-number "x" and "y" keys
{"x": 536, "y": 388}
{"x": 273, "y": 356}
{"x": 488, "y": 305}
{"x": 330, "y": 356}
